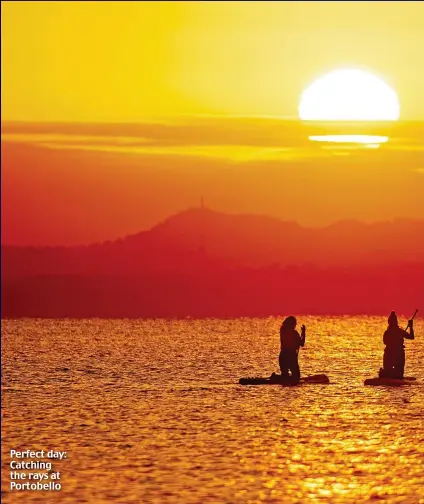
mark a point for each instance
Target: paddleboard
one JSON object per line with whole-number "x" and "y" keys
{"x": 407, "y": 380}
{"x": 276, "y": 379}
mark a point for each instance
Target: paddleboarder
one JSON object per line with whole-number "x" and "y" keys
{"x": 394, "y": 353}
{"x": 290, "y": 341}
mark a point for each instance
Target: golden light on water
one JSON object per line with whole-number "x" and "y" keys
{"x": 333, "y": 443}
{"x": 349, "y": 95}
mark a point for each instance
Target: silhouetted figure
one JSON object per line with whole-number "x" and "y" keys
{"x": 394, "y": 353}
{"x": 290, "y": 341}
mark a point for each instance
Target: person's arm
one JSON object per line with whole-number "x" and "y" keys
{"x": 411, "y": 334}
{"x": 303, "y": 336}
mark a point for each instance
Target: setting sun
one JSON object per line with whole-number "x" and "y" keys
{"x": 349, "y": 95}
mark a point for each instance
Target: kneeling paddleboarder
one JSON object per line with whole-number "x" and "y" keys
{"x": 290, "y": 341}
{"x": 394, "y": 353}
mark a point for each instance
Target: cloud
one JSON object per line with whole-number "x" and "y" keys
{"x": 234, "y": 138}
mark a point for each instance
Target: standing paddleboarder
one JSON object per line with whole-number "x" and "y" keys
{"x": 394, "y": 353}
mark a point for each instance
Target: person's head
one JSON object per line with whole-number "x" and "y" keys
{"x": 289, "y": 323}
{"x": 392, "y": 320}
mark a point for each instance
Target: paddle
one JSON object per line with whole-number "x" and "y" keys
{"x": 412, "y": 318}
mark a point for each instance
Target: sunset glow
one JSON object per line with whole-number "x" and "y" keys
{"x": 133, "y": 60}
{"x": 116, "y": 115}
{"x": 212, "y": 241}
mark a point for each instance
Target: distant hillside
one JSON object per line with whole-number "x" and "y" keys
{"x": 198, "y": 235}
{"x": 203, "y": 263}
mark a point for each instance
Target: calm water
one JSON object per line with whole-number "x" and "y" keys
{"x": 150, "y": 412}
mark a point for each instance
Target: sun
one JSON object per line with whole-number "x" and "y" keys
{"x": 349, "y": 95}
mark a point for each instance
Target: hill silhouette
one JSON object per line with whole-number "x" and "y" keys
{"x": 205, "y": 263}
{"x": 238, "y": 240}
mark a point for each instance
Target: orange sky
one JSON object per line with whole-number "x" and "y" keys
{"x": 74, "y": 184}
{"x": 150, "y": 63}
{"x": 125, "y": 61}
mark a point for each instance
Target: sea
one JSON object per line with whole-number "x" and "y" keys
{"x": 150, "y": 411}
